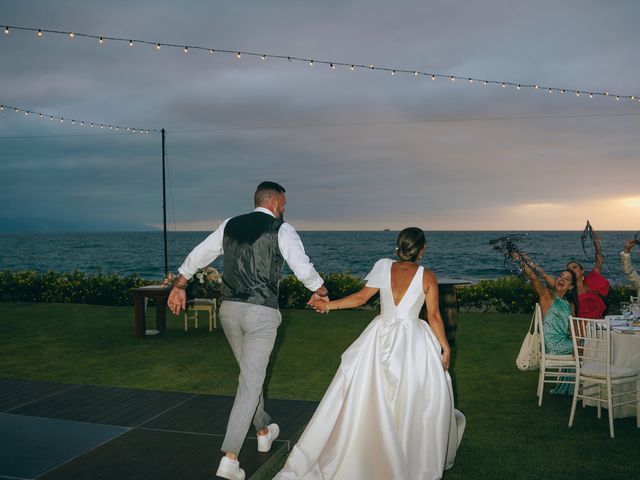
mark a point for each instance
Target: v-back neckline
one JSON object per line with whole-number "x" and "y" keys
{"x": 408, "y": 286}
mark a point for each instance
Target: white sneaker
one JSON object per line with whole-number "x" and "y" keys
{"x": 230, "y": 469}
{"x": 265, "y": 441}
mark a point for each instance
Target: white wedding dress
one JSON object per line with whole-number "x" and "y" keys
{"x": 388, "y": 413}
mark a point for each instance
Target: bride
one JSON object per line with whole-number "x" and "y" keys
{"x": 389, "y": 412}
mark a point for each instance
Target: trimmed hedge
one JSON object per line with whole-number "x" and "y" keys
{"x": 515, "y": 295}
{"x": 504, "y": 295}
{"x": 75, "y": 287}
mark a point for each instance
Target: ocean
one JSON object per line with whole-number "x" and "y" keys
{"x": 455, "y": 254}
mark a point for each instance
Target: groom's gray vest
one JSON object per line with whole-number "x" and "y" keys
{"x": 252, "y": 259}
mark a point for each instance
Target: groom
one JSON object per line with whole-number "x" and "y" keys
{"x": 255, "y": 246}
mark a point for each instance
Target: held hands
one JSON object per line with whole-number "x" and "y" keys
{"x": 319, "y": 299}
{"x": 321, "y": 305}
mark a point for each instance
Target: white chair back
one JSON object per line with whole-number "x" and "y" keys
{"x": 595, "y": 375}
{"x": 591, "y": 344}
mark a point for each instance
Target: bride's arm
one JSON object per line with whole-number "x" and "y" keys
{"x": 352, "y": 301}
{"x": 430, "y": 287}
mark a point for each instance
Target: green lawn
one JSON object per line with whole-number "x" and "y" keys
{"x": 507, "y": 436}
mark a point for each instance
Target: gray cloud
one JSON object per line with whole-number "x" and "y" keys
{"x": 355, "y": 149}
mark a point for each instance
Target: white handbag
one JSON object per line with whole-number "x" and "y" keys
{"x": 529, "y": 355}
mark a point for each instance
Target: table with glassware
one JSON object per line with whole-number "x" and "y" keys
{"x": 625, "y": 352}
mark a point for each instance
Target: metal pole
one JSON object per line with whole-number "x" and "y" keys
{"x": 164, "y": 208}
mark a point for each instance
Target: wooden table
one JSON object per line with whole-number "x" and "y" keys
{"x": 449, "y": 307}
{"x": 160, "y": 295}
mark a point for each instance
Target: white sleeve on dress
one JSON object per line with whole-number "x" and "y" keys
{"x": 378, "y": 277}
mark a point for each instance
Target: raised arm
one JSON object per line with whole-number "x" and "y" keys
{"x": 627, "y": 266}
{"x": 599, "y": 259}
{"x": 430, "y": 287}
{"x": 544, "y": 296}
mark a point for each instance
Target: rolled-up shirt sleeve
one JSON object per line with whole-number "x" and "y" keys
{"x": 204, "y": 253}
{"x": 292, "y": 251}
{"x": 629, "y": 271}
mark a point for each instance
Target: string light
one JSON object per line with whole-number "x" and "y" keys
{"x": 333, "y": 64}
{"x": 72, "y": 121}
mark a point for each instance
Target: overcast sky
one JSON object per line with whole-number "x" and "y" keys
{"x": 355, "y": 149}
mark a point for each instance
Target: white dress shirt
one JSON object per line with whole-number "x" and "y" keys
{"x": 289, "y": 243}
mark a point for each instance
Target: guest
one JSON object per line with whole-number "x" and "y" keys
{"x": 557, "y": 305}
{"x": 627, "y": 267}
{"x": 592, "y": 288}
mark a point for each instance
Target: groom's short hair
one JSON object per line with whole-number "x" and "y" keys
{"x": 265, "y": 191}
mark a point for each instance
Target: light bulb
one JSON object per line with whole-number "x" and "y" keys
{"x": 352, "y": 67}
{"x": 518, "y": 87}
{"x": 263, "y": 57}
{"x": 311, "y": 63}
{"x": 100, "y": 40}
{"x": 71, "y": 34}
{"x": 453, "y": 79}
{"x": 504, "y": 85}
{"x": 186, "y": 49}
{"x": 333, "y": 67}
{"x": 577, "y": 94}
{"x": 471, "y": 80}
{"x": 433, "y": 77}
{"x": 131, "y": 43}
{"x": 6, "y": 30}
{"x": 238, "y": 55}
{"x": 39, "y": 33}
{"x": 157, "y": 46}
{"x": 393, "y": 72}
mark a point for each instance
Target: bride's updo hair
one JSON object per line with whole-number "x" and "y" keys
{"x": 409, "y": 244}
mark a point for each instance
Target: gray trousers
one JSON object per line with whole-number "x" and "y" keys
{"x": 251, "y": 331}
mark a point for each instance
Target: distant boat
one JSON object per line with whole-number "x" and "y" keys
{"x": 387, "y": 230}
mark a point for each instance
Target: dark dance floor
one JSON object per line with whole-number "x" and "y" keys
{"x": 63, "y": 431}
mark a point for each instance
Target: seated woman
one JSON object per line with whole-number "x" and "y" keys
{"x": 556, "y": 306}
{"x": 627, "y": 267}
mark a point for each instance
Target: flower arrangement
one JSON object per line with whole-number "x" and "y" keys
{"x": 204, "y": 283}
